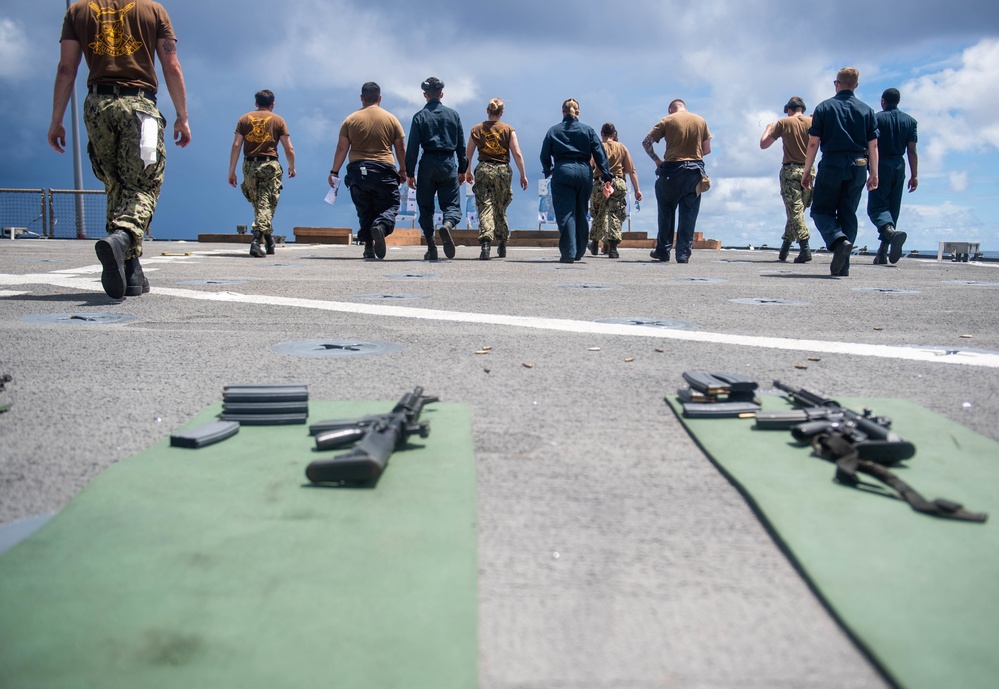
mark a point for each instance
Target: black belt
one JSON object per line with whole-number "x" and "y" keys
{"x": 798, "y": 164}
{"x": 259, "y": 159}
{"x": 117, "y": 91}
{"x": 438, "y": 152}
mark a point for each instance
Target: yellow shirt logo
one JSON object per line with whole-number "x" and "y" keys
{"x": 111, "y": 38}
{"x": 491, "y": 144}
{"x": 259, "y": 135}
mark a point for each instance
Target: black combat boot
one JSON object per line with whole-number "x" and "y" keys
{"x": 111, "y": 252}
{"x": 841, "y": 250}
{"x": 501, "y": 250}
{"x": 895, "y": 241}
{"x": 484, "y": 254}
{"x": 881, "y": 258}
{"x": 369, "y": 250}
{"x": 255, "y": 249}
{"x": 446, "y": 239}
{"x": 805, "y": 254}
{"x": 378, "y": 240}
{"x": 431, "y": 254}
{"x": 136, "y": 283}
{"x": 594, "y": 247}
{"x": 612, "y": 250}
{"x": 268, "y": 244}
{"x": 785, "y": 249}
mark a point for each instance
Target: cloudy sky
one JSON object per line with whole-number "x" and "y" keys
{"x": 734, "y": 63}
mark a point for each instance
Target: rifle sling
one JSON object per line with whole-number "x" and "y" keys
{"x": 835, "y": 448}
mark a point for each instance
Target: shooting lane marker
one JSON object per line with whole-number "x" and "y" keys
{"x": 74, "y": 280}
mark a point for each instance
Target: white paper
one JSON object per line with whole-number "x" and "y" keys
{"x": 331, "y": 194}
{"x": 149, "y": 134}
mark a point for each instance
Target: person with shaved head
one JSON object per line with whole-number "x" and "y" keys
{"x": 896, "y": 137}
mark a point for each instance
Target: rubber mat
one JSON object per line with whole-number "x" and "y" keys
{"x": 919, "y": 594}
{"x": 223, "y": 567}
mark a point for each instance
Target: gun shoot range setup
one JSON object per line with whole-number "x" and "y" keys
{"x": 310, "y": 470}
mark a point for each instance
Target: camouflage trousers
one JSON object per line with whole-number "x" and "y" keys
{"x": 608, "y": 213}
{"x": 493, "y": 193}
{"x": 113, "y": 129}
{"x": 262, "y": 188}
{"x": 796, "y": 200}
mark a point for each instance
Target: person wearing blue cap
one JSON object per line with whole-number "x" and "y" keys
{"x": 437, "y": 130}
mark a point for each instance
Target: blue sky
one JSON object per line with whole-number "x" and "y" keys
{"x": 734, "y": 63}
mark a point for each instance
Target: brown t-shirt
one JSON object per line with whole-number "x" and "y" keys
{"x": 616, "y": 155}
{"x": 371, "y": 131}
{"x": 684, "y": 131}
{"x": 118, "y": 39}
{"x": 492, "y": 139}
{"x": 261, "y": 130}
{"x": 793, "y": 131}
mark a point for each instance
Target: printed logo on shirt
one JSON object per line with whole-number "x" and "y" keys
{"x": 111, "y": 38}
{"x": 259, "y": 134}
{"x": 491, "y": 144}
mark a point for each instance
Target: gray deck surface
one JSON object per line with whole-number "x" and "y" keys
{"x": 612, "y": 554}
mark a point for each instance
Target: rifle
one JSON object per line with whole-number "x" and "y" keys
{"x": 379, "y": 435}
{"x": 857, "y": 444}
{"x": 870, "y": 435}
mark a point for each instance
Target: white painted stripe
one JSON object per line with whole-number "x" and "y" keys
{"x": 552, "y": 324}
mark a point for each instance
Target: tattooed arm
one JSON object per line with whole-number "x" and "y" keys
{"x": 166, "y": 50}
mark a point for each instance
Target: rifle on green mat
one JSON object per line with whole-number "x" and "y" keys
{"x": 858, "y": 444}
{"x": 377, "y": 437}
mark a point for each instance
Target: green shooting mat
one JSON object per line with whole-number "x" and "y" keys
{"x": 223, "y": 567}
{"x": 918, "y": 593}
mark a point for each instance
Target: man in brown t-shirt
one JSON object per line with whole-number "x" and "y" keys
{"x": 257, "y": 134}
{"x": 792, "y": 130}
{"x": 680, "y": 179}
{"x": 120, "y": 40}
{"x": 369, "y": 135}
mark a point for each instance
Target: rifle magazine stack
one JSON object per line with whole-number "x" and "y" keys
{"x": 718, "y": 395}
{"x": 265, "y": 405}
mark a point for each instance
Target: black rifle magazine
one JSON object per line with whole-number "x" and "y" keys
{"x": 265, "y": 393}
{"x": 266, "y": 419}
{"x": 719, "y": 410}
{"x": 207, "y": 434}
{"x": 719, "y": 383}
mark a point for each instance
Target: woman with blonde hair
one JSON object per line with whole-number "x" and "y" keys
{"x": 565, "y": 157}
{"x": 609, "y": 212}
{"x": 493, "y": 180}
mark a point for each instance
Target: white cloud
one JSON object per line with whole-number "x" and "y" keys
{"x": 958, "y": 181}
{"x": 958, "y": 107}
{"x": 15, "y": 51}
